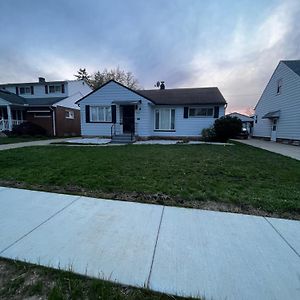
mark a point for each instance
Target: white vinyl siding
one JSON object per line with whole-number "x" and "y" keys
{"x": 106, "y": 96}
{"x": 100, "y": 114}
{"x": 288, "y": 102}
{"x": 164, "y": 119}
{"x": 144, "y": 114}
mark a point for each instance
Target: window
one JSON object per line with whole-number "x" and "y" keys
{"x": 100, "y": 114}
{"x": 201, "y": 112}
{"x": 165, "y": 119}
{"x": 42, "y": 115}
{"x": 69, "y": 114}
{"x": 25, "y": 90}
{"x": 54, "y": 89}
{"x": 279, "y": 86}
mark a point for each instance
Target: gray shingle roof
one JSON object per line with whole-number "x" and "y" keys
{"x": 12, "y": 98}
{"x": 185, "y": 96}
{"x": 15, "y": 99}
{"x": 294, "y": 65}
{"x": 43, "y": 101}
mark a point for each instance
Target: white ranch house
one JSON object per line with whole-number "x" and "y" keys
{"x": 277, "y": 113}
{"x": 116, "y": 111}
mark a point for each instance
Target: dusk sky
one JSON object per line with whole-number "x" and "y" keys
{"x": 234, "y": 45}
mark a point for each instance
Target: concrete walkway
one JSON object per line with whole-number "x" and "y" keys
{"x": 286, "y": 150}
{"x": 32, "y": 143}
{"x": 174, "y": 250}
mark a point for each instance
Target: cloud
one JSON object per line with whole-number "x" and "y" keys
{"x": 247, "y": 61}
{"x": 234, "y": 45}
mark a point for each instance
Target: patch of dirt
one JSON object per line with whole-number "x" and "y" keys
{"x": 158, "y": 198}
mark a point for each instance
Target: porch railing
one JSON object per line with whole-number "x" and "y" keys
{"x": 117, "y": 128}
{"x": 4, "y": 124}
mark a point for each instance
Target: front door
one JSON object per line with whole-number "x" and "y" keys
{"x": 128, "y": 118}
{"x": 274, "y": 130}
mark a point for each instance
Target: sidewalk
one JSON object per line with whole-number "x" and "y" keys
{"x": 180, "y": 251}
{"x": 286, "y": 150}
{"x": 32, "y": 143}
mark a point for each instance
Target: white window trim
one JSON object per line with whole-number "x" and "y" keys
{"x": 166, "y": 130}
{"x": 36, "y": 116}
{"x": 102, "y": 106}
{"x": 202, "y": 107}
{"x": 71, "y": 115}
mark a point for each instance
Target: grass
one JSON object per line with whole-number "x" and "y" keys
{"x": 239, "y": 175}
{"x": 22, "y": 281}
{"x": 16, "y": 139}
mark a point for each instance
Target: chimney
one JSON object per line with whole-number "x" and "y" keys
{"x": 162, "y": 85}
{"x": 42, "y": 80}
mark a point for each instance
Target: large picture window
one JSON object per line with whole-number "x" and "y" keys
{"x": 165, "y": 119}
{"x": 201, "y": 112}
{"x": 100, "y": 114}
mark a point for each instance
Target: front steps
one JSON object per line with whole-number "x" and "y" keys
{"x": 122, "y": 139}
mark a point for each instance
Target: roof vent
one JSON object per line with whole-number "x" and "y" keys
{"x": 42, "y": 80}
{"x": 160, "y": 84}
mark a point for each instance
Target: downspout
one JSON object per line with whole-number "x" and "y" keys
{"x": 9, "y": 118}
{"x": 53, "y": 121}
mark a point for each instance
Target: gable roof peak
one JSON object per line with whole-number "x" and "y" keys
{"x": 294, "y": 65}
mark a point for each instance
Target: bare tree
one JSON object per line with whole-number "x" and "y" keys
{"x": 125, "y": 78}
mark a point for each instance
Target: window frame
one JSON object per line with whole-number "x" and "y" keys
{"x": 25, "y": 87}
{"x": 69, "y": 114}
{"x": 103, "y": 107}
{"x": 201, "y": 107}
{"x": 171, "y": 109}
{"x": 38, "y": 115}
{"x": 279, "y": 86}
{"x": 55, "y": 86}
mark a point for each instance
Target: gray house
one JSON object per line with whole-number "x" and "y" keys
{"x": 277, "y": 113}
{"x": 115, "y": 110}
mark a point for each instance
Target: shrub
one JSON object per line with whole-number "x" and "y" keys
{"x": 208, "y": 134}
{"x": 227, "y": 127}
{"x": 28, "y": 128}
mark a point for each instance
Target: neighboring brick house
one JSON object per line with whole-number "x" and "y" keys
{"x": 50, "y": 104}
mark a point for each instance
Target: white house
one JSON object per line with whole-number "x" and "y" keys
{"x": 246, "y": 120}
{"x": 115, "y": 110}
{"x": 50, "y": 104}
{"x": 277, "y": 113}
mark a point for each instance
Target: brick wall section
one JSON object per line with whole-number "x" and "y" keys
{"x": 43, "y": 122}
{"x": 64, "y": 126}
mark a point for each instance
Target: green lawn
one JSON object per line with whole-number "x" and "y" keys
{"x": 238, "y": 175}
{"x": 14, "y": 139}
{"x": 21, "y": 280}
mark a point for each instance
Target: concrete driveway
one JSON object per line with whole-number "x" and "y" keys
{"x": 179, "y": 251}
{"x": 286, "y": 150}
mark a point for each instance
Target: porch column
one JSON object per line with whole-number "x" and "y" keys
{"x": 9, "y": 119}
